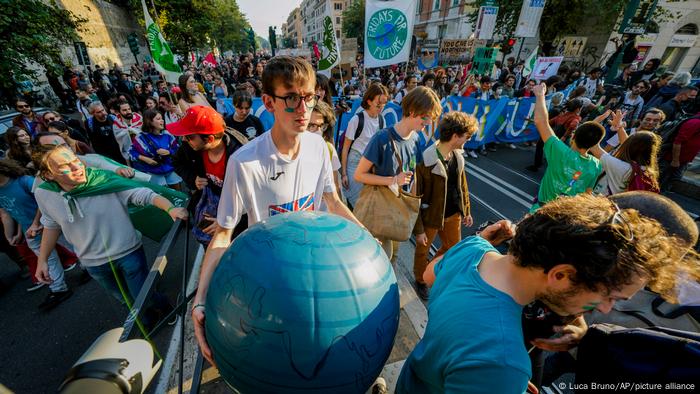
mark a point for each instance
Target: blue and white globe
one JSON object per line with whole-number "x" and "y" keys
{"x": 303, "y": 302}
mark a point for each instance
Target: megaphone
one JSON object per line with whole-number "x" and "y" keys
{"x": 112, "y": 367}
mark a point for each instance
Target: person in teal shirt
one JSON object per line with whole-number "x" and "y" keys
{"x": 575, "y": 254}
{"x": 570, "y": 170}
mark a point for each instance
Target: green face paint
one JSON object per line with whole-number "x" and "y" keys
{"x": 591, "y": 306}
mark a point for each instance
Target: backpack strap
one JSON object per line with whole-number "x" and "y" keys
{"x": 381, "y": 121}
{"x": 237, "y": 135}
{"x": 360, "y": 125}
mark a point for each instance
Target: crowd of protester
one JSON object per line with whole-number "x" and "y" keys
{"x": 198, "y": 135}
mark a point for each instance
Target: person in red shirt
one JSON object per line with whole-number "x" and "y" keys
{"x": 685, "y": 147}
{"x": 201, "y": 162}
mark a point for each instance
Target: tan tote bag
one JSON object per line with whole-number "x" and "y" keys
{"x": 388, "y": 215}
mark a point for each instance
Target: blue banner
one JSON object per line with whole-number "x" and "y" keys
{"x": 501, "y": 120}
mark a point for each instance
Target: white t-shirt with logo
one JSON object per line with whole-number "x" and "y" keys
{"x": 262, "y": 182}
{"x": 368, "y": 131}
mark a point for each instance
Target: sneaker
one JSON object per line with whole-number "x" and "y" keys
{"x": 491, "y": 148}
{"x": 511, "y": 146}
{"x": 379, "y": 386}
{"x": 54, "y": 298}
{"x": 532, "y": 168}
{"x": 70, "y": 267}
{"x": 484, "y": 152}
{"x": 36, "y": 286}
{"x": 422, "y": 291}
{"x": 472, "y": 154}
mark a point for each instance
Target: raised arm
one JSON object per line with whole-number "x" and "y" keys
{"x": 541, "y": 114}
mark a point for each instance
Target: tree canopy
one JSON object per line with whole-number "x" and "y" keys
{"x": 32, "y": 32}
{"x": 354, "y": 21}
{"x": 565, "y": 17}
{"x": 199, "y": 24}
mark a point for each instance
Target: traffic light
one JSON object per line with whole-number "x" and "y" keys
{"x": 507, "y": 45}
{"x": 133, "y": 43}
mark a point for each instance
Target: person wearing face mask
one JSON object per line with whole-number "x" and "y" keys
{"x": 191, "y": 95}
{"x": 242, "y": 120}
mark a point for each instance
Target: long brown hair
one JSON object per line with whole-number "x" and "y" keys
{"x": 12, "y": 169}
{"x": 16, "y": 151}
{"x": 642, "y": 148}
{"x": 182, "y": 83}
{"x": 148, "y": 116}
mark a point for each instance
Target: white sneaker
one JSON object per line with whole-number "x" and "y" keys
{"x": 511, "y": 146}
{"x": 472, "y": 154}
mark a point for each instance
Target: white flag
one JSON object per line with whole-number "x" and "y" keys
{"x": 529, "y": 20}
{"x": 530, "y": 62}
{"x": 330, "y": 51}
{"x": 160, "y": 50}
{"x": 388, "y": 31}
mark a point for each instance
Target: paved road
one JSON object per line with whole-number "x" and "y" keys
{"x": 43, "y": 346}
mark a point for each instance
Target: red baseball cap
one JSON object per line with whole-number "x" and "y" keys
{"x": 198, "y": 120}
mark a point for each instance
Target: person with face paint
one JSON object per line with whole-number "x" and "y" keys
{"x": 73, "y": 201}
{"x": 597, "y": 254}
{"x": 379, "y": 164}
{"x": 284, "y": 170}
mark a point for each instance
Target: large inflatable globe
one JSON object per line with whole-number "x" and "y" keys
{"x": 302, "y": 302}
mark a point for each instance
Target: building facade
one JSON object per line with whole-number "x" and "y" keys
{"x": 438, "y": 20}
{"x": 313, "y": 13}
{"x": 293, "y": 29}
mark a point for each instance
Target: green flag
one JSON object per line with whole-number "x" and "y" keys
{"x": 330, "y": 52}
{"x": 160, "y": 50}
{"x": 530, "y": 62}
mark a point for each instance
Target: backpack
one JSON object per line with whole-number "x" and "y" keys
{"x": 640, "y": 180}
{"x": 610, "y": 354}
{"x": 359, "y": 129}
{"x": 669, "y": 131}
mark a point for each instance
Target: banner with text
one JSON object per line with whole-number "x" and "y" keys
{"x": 529, "y": 20}
{"x": 388, "y": 31}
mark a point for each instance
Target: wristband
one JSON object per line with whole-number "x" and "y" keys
{"x": 198, "y": 306}
{"x": 170, "y": 209}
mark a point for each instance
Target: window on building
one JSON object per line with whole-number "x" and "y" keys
{"x": 690, "y": 28}
{"x": 337, "y": 20}
{"x": 436, "y": 5}
{"x": 337, "y": 33}
{"x": 81, "y": 51}
{"x": 419, "y": 6}
{"x": 338, "y": 6}
{"x": 442, "y": 29}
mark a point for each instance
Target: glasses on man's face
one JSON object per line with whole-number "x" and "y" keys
{"x": 20, "y": 106}
{"x": 293, "y": 101}
{"x": 317, "y": 127}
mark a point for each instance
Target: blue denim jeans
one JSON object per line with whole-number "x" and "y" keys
{"x": 132, "y": 271}
{"x": 58, "y": 281}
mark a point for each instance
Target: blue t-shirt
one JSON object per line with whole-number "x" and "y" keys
{"x": 380, "y": 152}
{"x": 473, "y": 342}
{"x": 17, "y": 199}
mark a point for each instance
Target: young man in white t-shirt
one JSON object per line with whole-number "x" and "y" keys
{"x": 283, "y": 170}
